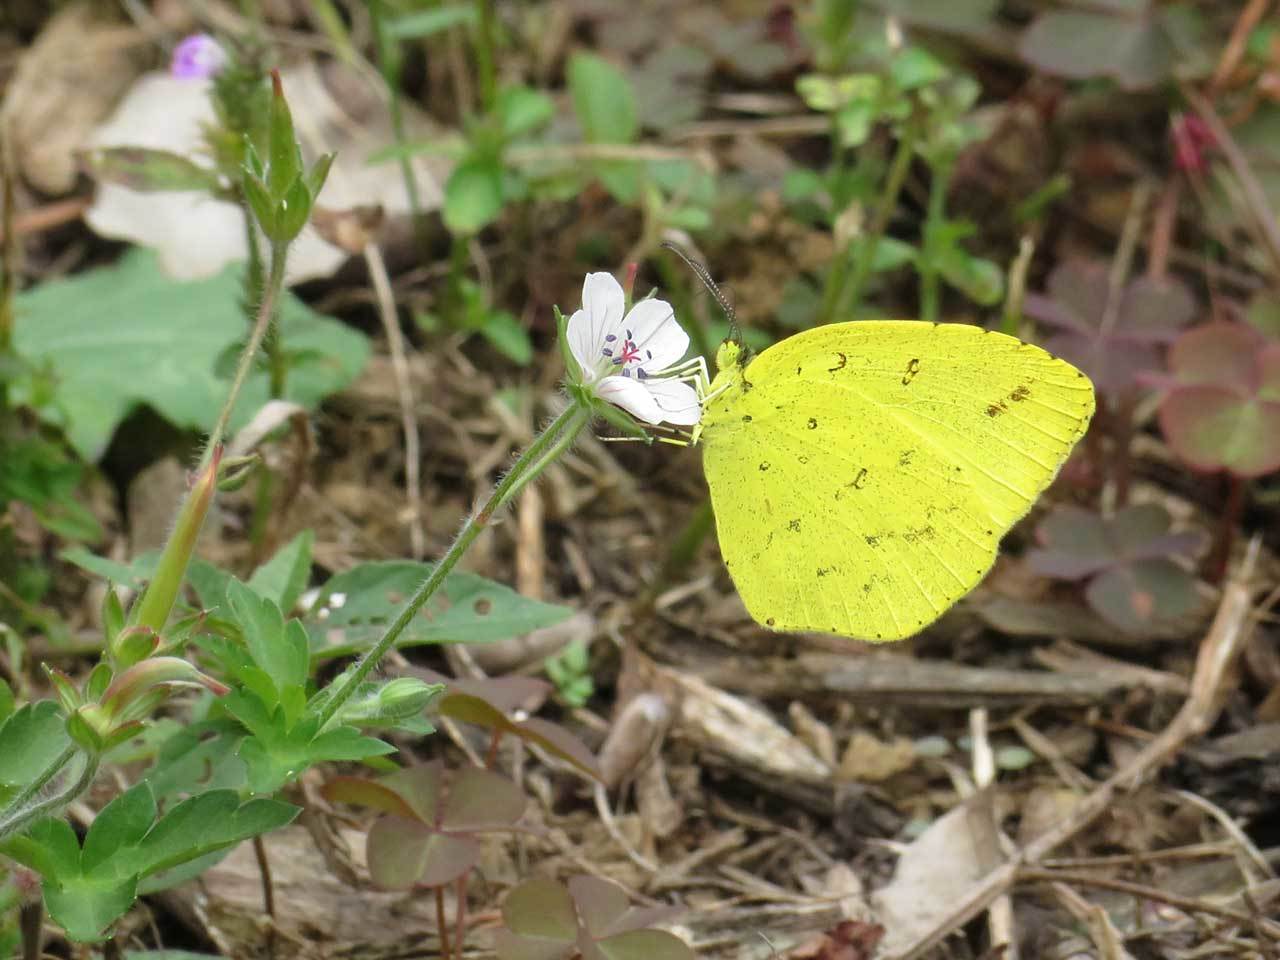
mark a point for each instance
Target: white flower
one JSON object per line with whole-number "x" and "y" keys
{"x": 629, "y": 360}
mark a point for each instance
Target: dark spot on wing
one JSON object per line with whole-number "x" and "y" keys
{"x": 995, "y": 409}
{"x": 794, "y": 525}
{"x": 802, "y": 458}
{"x": 913, "y": 367}
{"x": 813, "y": 423}
{"x": 914, "y": 534}
{"x": 764, "y": 467}
{"x": 904, "y": 459}
{"x": 746, "y": 418}
{"x": 872, "y": 540}
{"x": 797, "y": 371}
{"x": 860, "y": 480}
{"x": 841, "y": 360}
{"x": 1021, "y": 393}
{"x": 770, "y": 622}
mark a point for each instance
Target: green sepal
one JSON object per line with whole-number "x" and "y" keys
{"x": 621, "y": 419}
{"x": 82, "y": 728}
{"x": 120, "y": 734}
{"x": 284, "y": 159}
{"x": 252, "y": 161}
{"x": 236, "y": 471}
{"x": 318, "y": 174}
{"x": 260, "y": 202}
{"x": 66, "y": 692}
{"x": 131, "y": 645}
{"x": 292, "y": 212}
{"x": 100, "y": 678}
{"x": 112, "y": 615}
{"x": 572, "y": 370}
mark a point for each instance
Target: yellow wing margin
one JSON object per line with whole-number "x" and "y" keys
{"x": 863, "y": 473}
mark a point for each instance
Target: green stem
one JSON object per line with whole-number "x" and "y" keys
{"x": 22, "y": 812}
{"x": 486, "y": 55}
{"x": 389, "y": 65}
{"x": 866, "y": 254}
{"x": 552, "y": 442}
{"x": 930, "y": 279}
{"x": 266, "y": 309}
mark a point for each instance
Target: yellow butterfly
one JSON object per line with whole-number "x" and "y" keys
{"x": 863, "y": 473}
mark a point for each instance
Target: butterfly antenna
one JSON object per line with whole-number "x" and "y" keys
{"x": 705, "y": 276}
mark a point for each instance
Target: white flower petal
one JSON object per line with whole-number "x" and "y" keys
{"x": 677, "y": 400}
{"x": 601, "y": 314}
{"x": 632, "y": 396}
{"x": 653, "y": 328}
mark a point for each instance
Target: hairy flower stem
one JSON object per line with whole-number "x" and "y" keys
{"x": 22, "y": 811}
{"x": 551, "y": 443}
{"x": 261, "y": 326}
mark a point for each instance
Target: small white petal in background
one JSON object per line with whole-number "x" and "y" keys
{"x": 625, "y": 357}
{"x": 197, "y": 236}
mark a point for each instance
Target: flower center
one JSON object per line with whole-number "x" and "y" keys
{"x": 628, "y": 356}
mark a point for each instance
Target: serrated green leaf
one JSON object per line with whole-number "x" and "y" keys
{"x": 116, "y": 831}
{"x": 127, "y": 335}
{"x": 209, "y": 822}
{"x": 278, "y": 651}
{"x": 468, "y": 609}
{"x": 84, "y": 909}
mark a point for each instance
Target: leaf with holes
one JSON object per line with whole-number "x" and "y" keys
{"x": 1127, "y": 559}
{"x": 355, "y": 607}
{"x": 161, "y": 345}
{"x": 1222, "y": 408}
{"x": 1112, "y": 351}
{"x": 591, "y": 918}
{"x": 427, "y": 836}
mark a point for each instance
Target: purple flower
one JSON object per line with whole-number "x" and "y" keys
{"x": 197, "y": 57}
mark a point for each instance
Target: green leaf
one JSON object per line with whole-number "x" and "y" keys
{"x": 85, "y": 909}
{"x": 467, "y": 609}
{"x": 473, "y": 195}
{"x": 425, "y": 23}
{"x": 506, "y": 335}
{"x": 279, "y": 652}
{"x": 603, "y": 100}
{"x": 127, "y": 335}
{"x": 522, "y": 110}
{"x": 30, "y": 740}
{"x": 209, "y": 822}
{"x": 283, "y": 578}
{"x": 120, "y": 826}
{"x": 134, "y": 574}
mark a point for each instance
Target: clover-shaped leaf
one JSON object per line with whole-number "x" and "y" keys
{"x": 591, "y": 918}
{"x": 1222, "y": 409}
{"x": 427, "y": 836}
{"x": 1138, "y": 44}
{"x": 551, "y": 737}
{"x": 1127, "y": 560}
{"x": 1149, "y": 315}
